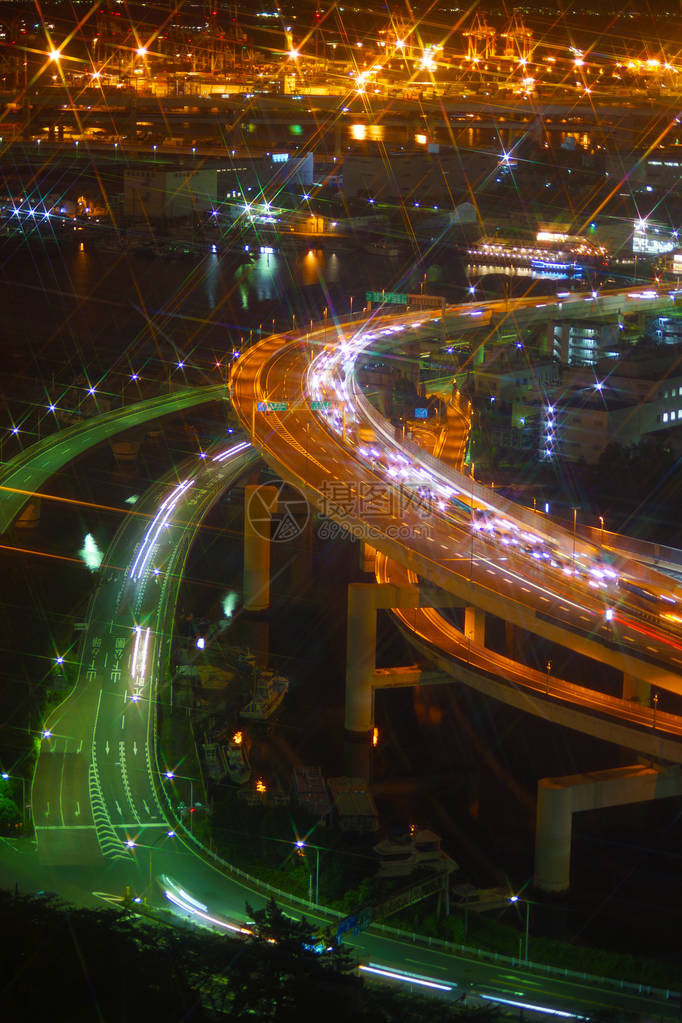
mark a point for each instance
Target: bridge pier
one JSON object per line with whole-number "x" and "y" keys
{"x": 636, "y": 690}
{"x": 29, "y": 517}
{"x": 367, "y": 557}
{"x": 560, "y": 798}
{"x": 125, "y": 450}
{"x": 260, "y": 502}
{"x": 474, "y": 625}
{"x": 362, "y": 675}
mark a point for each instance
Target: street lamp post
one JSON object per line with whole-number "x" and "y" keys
{"x": 171, "y": 775}
{"x": 515, "y": 898}
{"x": 655, "y": 703}
{"x": 549, "y": 668}
{"x": 302, "y": 844}
{"x": 131, "y": 844}
{"x": 575, "y": 520}
{"x": 471, "y": 551}
{"x": 601, "y": 530}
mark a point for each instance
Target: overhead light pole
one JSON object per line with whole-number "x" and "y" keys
{"x": 301, "y": 845}
{"x": 515, "y": 899}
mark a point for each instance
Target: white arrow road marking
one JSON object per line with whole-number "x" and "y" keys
{"x": 118, "y": 807}
{"x": 80, "y": 746}
{"x": 106, "y": 747}
{"x": 134, "y": 747}
{"x": 78, "y": 809}
{"x": 47, "y": 811}
{"x": 144, "y": 803}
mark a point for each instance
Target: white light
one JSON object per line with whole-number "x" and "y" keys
{"x": 530, "y": 1005}
{"x": 201, "y": 643}
{"x": 177, "y": 901}
{"x": 406, "y": 978}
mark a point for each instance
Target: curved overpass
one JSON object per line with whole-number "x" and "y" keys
{"x": 96, "y": 784}
{"x": 22, "y": 476}
{"x": 583, "y": 709}
{"x": 470, "y": 542}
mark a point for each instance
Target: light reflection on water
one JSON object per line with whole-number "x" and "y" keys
{"x": 271, "y": 273}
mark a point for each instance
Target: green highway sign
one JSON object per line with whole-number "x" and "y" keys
{"x": 390, "y": 297}
{"x": 273, "y": 406}
{"x": 321, "y": 406}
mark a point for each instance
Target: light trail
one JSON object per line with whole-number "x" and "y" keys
{"x": 532, "y": 1007}
{"x": 234, "y": 450}
{"x": 159, "y": 521}
{"x": 406, "y": 978}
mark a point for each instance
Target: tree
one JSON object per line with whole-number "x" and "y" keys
{"x": 286, "y": 971}
{"x": 9, "y": 812}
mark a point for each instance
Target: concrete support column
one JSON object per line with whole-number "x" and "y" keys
{"x": 636, "y": 690}
{"x": 125, "y": 450}
{"x": 510, "y": 644}
{"x": 260, "y": 502}
{"x": 560, "y": 798}
{"x": 474, "y": 625}
{"x": 368, "y": 557}
{"x": 29, "y": 518}
{"x": 361, "y": 642}
{"x": 553, "y": 830}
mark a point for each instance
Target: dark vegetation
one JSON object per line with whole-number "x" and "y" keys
{"x": 84, "y": 964}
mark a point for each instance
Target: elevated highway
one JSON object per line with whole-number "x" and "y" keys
{"x": 441, "y": 526}
{"x": 96, "y": 783}
{"x": 23, "y": 475}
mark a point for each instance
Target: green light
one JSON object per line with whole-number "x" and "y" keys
{"x": 295, "y": 129}
{"x": 229, "y": 603}
{"x": 90, "y": 553}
